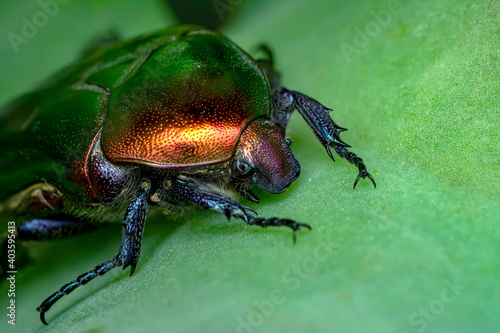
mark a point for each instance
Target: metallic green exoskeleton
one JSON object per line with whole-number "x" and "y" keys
{"x": 178, "y": 117}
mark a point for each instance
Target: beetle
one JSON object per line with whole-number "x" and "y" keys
{"x": 174, "y": 118}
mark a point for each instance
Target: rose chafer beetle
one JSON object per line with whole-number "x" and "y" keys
{"x": 178, "y": 117}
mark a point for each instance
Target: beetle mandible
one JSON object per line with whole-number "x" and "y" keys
{"x": 170, "y": 119}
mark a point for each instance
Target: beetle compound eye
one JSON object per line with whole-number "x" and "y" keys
{"x": 241, "y": 169}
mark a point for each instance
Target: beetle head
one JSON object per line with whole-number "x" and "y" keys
{"x": 264, "y": 156}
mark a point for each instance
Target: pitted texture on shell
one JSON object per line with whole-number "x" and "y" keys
{"x": 186, "y": 106}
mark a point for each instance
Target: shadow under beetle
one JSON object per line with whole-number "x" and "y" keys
{"x": 177, "y": 117}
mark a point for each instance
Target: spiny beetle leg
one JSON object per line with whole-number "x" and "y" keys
{"x": 208, "y": 198}
{"x": 318, "y": 118}
{"x": 133, "y": 227}
{"x": 282, "y": 106}
{"x": 358, "y": 162}
{"x": 52, "y": 228}
{"x": 69, "y": 287}
{"x": 277, "y": 222}
{"x": 128, "y": 255}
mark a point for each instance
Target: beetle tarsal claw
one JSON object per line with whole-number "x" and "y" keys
{"x": 245, "y": 208}
{"x": 329, "y": 151}
{"x": 238, "y": 212}
{"x": 42, "y": 316}
{"x": 373, "y": 180}
{"x": 296, "y": 227}
{"x": 363, "y": 174}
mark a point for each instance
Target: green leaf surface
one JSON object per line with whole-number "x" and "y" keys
{"x": 418, "y": 89}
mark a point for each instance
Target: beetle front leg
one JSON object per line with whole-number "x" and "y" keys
{"x": 277, "y": 222}
{"x": 209, "y": 198}
{"x": 318, "y": 118}
{"x": 128, "y": 255}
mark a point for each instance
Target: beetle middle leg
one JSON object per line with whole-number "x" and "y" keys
{"x": 317, "y": 116}
{"x": 40, "y": 205}
{"x": 199, "y": 193}
{"x": 128, "y": 254}
{"x": 52, "y": 228}
{"x": 38, "y": 230}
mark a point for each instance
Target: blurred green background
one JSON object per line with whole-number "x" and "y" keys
{"x": 416, "y": 83}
